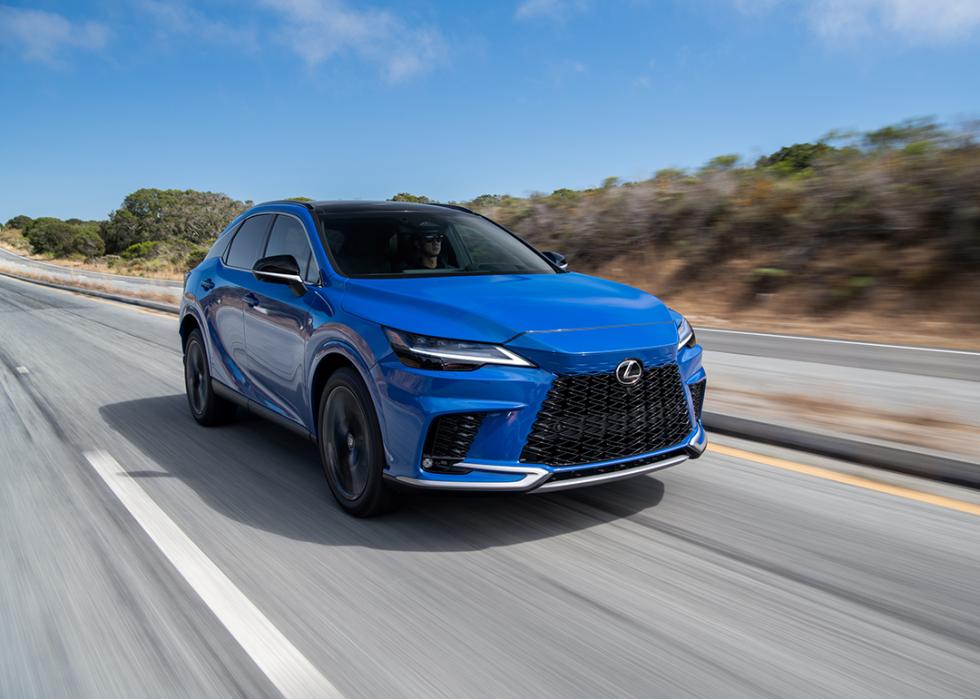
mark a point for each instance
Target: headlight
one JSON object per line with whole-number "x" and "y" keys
{"x": 685, "y": 334}
{"x": 424, "y": 352}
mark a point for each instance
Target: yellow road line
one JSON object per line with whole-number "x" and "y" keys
{"x": 848, "y": 479}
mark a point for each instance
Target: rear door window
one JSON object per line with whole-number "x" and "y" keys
{"x": 249, "y": 242}
{"x": 289, "y": 237}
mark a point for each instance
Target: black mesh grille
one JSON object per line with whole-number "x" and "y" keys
{"x": 593, "y": 417}
{"x": 450, "y": 437}
{"x": 697, "y": 396}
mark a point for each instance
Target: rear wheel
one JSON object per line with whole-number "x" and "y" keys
{"x": 206, "y": 406}
{"x": 350, "y": 446}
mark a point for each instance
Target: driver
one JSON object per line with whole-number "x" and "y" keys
{"x": 426, "y": 252}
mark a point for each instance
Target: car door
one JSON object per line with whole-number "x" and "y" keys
{"x": 278, "y": 321}
{"x": 225, "y": 311}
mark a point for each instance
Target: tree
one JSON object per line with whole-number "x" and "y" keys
{"x": 485, "y": 201}
{"x": 168, "y": 215}
{"x": 565, "y": 194}
{"x": 19, "y": 222}
{"x": 414, "y": 198}
{"x": 795, "y": 158}
{"x": 723, "y": 162}
{"x": 904, "y": 134}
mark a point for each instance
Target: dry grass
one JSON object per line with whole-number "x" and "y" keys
{"x": 172, "y": 299}
{"x": 722, "y": 300}
{"x": 135, "y": 268}
{"x": 13, "y": 240}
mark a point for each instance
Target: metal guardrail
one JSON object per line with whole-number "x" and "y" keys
{"x": 867, "y": 452}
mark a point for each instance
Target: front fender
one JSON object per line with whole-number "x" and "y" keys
{"x": 352, "y": 346}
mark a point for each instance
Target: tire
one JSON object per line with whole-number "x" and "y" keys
{"x": 206, "y": 406}
{"x": 351, "y": 449}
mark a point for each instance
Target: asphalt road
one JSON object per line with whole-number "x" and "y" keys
{"x": 917, "y": 410}
{"x": 734, "y": 575}
{"x": 904, "y": 359}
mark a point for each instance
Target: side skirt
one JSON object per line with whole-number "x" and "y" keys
{"x": 263, "y": 412}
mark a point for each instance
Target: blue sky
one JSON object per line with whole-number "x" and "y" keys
{"x": 263, "y": 99}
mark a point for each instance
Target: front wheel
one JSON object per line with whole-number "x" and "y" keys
{"x": 350, "y": 446}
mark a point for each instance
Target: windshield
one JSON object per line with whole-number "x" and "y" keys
{"x": 415, "y": 244}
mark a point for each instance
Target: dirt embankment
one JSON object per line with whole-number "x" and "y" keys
{"x": 730, "y": 298}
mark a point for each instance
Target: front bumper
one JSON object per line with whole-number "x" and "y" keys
{"x": 509, "y": 399}
{"x": 538, "y": 479}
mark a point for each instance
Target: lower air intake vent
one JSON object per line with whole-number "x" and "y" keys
{"x": 450, "y": 437}
{"x": 697, "y": 396}
{"x": 588, "y": 418}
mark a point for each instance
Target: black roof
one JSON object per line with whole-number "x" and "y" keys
{"x": 354, "y": 205}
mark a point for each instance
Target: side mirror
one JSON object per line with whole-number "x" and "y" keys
{"x": 558, "y": 260}
{"x": 279, "y": 269}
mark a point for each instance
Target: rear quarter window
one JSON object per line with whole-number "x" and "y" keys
{"x": 249, "y": 242}
{"x": 221, "y": 244}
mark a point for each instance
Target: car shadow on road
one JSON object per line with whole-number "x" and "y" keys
{"x": 266, "y": 477}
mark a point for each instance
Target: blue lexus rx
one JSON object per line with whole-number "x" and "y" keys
{"x": 426, "y": 345}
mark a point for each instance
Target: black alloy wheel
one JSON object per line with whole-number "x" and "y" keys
{"x": 350, "y": 446}
{"x": 206, "y": 406}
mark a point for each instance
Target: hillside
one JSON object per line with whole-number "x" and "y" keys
{"x": 872, "y": 235}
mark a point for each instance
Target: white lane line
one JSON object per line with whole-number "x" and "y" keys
{"x": 844, "y": 342}
{"x": 23, "y": 370}
{"x": 288, "y": 669}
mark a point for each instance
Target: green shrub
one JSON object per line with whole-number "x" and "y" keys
{"x": 48, "y": 235}
{"x": 194, "y": 257}
{"x": 144, "y": 250}
{"x": 86, "y": 241}
{"x": 765, "y": 280}
{"x": 52, "y": 236}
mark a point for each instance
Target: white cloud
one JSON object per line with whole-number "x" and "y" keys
{"x": 177, "y": 18}
{"x": 918, "y": 21}
{"x": 548, "y": 9}
{"x": 320, "y": 29}
{"x": 47, "y": 36}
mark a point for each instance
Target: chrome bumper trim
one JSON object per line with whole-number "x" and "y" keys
{"x": 609, "y": 477}
{"x": 698, "y": 443}
{"x": 532, "y": 476}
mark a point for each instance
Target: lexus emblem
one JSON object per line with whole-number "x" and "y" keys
{"x": 629, "y": 372}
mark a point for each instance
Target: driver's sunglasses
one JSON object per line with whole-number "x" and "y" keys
{"x": 433, "y": 238}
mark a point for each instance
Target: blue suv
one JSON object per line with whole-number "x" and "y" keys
{"x": 426, "y": 345}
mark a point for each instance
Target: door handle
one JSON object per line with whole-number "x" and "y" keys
{"x": 207, "y": 285}
{"x": 252, "y": 300}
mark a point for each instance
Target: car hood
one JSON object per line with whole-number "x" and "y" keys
{"x": 499, "y": 308}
